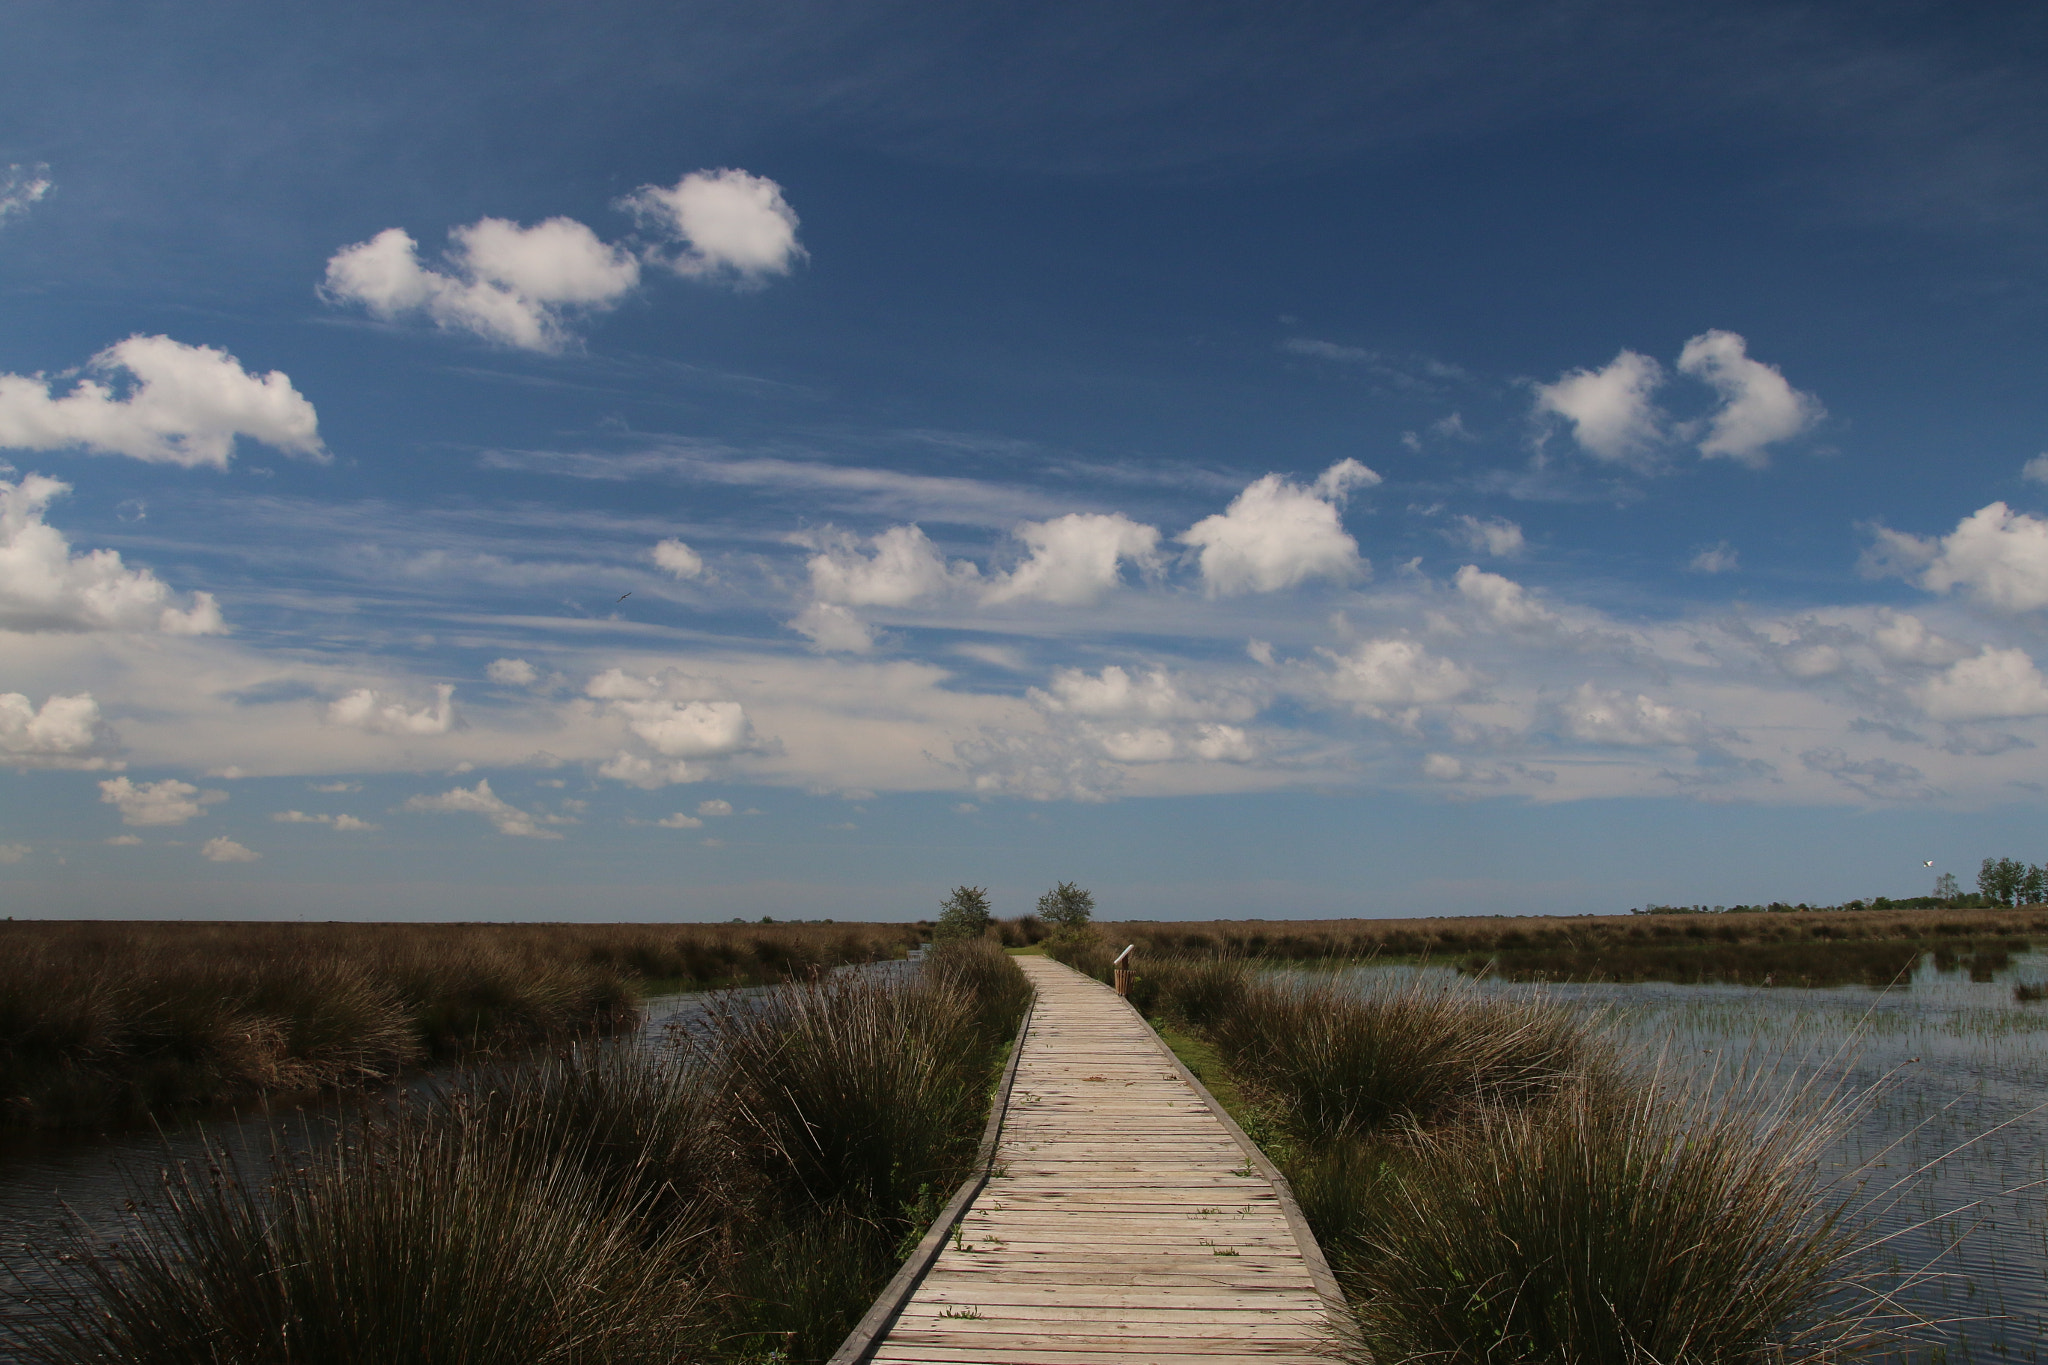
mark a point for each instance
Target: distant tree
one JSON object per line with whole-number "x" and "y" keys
{"x": 2034, "y": 889}
{"x": 1999, "y": 880}
{"x": 1067, "y": 908}
{"x": 1945, "y": 886}
{"x": 964, "y": 914}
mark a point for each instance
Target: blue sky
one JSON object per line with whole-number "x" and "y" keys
{"x": 630, "y": 461}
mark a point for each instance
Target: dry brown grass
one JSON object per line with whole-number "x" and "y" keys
{"x": 112, "y": 1022}
{"x": 1457, "y": 937}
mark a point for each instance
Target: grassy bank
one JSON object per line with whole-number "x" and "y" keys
{"x": 117, "y": 1023}
{"x": 1491, "y": 1181}
{"x": 741, "y": 1197}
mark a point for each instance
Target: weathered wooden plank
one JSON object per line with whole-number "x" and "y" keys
{"x": 1123, "y": 1223}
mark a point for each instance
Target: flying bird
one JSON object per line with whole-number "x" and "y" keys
{"x": 624, "y": 595}
{"x": 1927, "y": 862}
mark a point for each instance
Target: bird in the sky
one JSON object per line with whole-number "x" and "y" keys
{"x": 624, "y": 595}
{"x": 1927, "y": 862}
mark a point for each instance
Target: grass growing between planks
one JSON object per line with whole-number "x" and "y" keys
{"x": 1492, "y": 1184}
{"x": 111, "y": 1023}
{"x": 739, "y": 1197}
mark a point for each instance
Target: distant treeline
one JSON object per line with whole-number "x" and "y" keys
{"x": 2000, "y": 882}
{"x": 110, "y": 1022}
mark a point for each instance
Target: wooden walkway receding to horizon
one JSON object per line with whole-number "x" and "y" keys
{"x": 1126, "y": 1221}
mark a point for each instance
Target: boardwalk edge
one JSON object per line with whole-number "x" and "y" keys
{"x": 859, "y": 1346}
{"x": 1342, "y": 1326}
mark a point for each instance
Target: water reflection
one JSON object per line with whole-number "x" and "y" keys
{"x": 1962, "y": 1122}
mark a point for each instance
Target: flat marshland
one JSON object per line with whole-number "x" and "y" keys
{"x": 741, "y": 1195}
{"x": 105, "y": 1024}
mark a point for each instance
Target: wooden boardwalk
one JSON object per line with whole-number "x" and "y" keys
{"x": 1126, "y": 1221}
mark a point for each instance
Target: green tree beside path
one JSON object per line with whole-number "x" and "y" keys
{"x": 964, "y": 914}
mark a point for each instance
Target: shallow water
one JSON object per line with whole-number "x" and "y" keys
{"x": 1958, "y": 1131}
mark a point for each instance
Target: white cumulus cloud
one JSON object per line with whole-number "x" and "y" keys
{"x": 1758, "y": 407}
{"x": 834, "y": 628}
{"x": 677, "y": 728}
{"x": 714, "y": 806}
{"x": 14, "y": 853}
{"x": 45, "y": 587}
{"x": 1393, "y": 672}
{"x": 1600, "y": 717}
{"x": 2036, "y": 469}
{"x": 1612, "y": 412}
{"x": 366, "y": 708}
{"x": 729, "y": 224}
{"x": 222, "y": 849}
{"x": 1496, "y": 536}
{"x": 512, "y": 672}
{"x": 1903, "y": 638}
{"x": 680, "y": 821}
{"x": 481, "y": 800}
{"x": 516, "y": 286}
{"x": 1278, "y": 533}
{"x": 899, "y": 567}
{"x": 1505, "y": 601}
{"x": 1076, "y": 558}
{"x": 1999, "y": 555}
{"x": 1994, "y": 684}
{"x": 169, "y": 802}
{"x": 673, "y": 557}
{"x": 162, "y": 401}
{"x": 64, "y": 732}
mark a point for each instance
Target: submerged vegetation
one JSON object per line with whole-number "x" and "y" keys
{"x": 741, "y": 1195}
{"x": 114, "y": 1023}
{"x": 1492, "y": 1181}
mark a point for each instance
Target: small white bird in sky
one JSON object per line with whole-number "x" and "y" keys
{"x": 1927, "y": 862}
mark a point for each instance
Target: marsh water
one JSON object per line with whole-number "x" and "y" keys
{"x": 1949, "y": 1158}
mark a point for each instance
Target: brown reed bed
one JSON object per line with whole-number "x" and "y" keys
{"x": 1457, "y": 937}
{"x": 107, "y": 1023}
{"x": 740, "y": 1197}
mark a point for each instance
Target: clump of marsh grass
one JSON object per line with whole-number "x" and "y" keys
{"x": 1341, "y": 1061}
{"x": 424, "y": 1239}
{"x": 1610, "y": 1225}
{"x": 847, "y": 1089}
